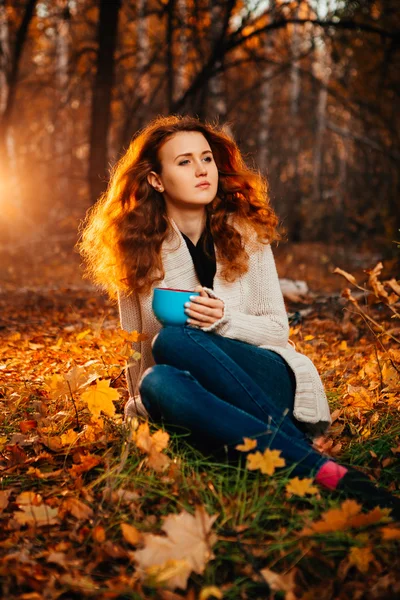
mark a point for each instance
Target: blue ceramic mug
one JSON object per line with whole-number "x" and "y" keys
{"x": 169, "y": 305}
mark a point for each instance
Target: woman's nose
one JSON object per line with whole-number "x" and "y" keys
{"x": 201, "y": 169}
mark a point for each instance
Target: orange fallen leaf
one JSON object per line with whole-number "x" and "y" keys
{"x": 249, "y": 444}
{"x": 348, "y": 516}
{"x": 361, "y": 558}
{"x": 131, "y": 535}
{"x": 390, "y": 533}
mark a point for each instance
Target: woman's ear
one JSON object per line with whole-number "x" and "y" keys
{"x": 154, "y": 181}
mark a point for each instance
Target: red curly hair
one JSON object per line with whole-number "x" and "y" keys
{"x": 123, "y": 232}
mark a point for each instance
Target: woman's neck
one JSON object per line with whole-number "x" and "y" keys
{"x": 191, "y": 224}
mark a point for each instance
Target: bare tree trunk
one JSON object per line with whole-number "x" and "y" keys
{"x": 266, "y": 97}
{"x": 320, "y": 69}
{"x": 180, "y": 79}
{"x": 170, "y": 54}
{"x": 12, "y": 81}
{"x": 62, "y": 127}
{"x": 216, "y": 88}
{"x": 102, "y": 95}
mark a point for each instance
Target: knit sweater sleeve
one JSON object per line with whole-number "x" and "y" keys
{"x": 266, "y": 321}
{"x": 131, "y": 320}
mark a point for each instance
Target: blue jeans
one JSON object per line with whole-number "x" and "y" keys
{"x": 221, "y": 390}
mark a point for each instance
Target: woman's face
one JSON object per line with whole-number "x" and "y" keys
{"x": 186, "y": 163}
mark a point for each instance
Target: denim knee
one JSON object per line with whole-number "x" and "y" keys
{"x": 151, "y": 385}
{"x": 167, "y": 338}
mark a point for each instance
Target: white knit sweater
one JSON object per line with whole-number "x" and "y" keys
{"x": 254, "y": 312}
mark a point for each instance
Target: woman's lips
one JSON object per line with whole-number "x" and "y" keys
{"x": 203, "y": 185}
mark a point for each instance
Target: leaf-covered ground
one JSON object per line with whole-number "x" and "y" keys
{"x": 93, "y": 508}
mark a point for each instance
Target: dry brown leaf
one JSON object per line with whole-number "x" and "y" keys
{"x": 377, "y": 285}
{"x": 36, "y": 515}
{"x": 4, "y": 495}
{"x": 346, "y": 275}
{"x": 281, "y": 583}
{"x": 394, "y": 285}
{"x": 78, "y": 509}
{"x": 189, "y": 538}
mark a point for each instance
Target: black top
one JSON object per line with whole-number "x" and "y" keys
{"x": 205, "y": 267}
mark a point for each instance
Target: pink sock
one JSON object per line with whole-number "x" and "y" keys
{"x": 330, "y": 474}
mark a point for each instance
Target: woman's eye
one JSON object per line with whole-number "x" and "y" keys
{"x": 207, "y": 158}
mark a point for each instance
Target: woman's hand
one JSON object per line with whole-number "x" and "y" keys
{"x": 203, "y": 310}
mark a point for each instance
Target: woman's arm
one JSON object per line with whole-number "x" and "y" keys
{"x": 267, "y": 323}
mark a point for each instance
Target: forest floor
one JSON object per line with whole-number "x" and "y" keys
{"x": 81, "y": 493}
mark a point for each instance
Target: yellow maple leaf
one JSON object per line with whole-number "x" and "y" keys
{"x": 301, "y": 487}
{"x": 249, "y": 444}
{"x": 266, "y": 462}
{"x": 100, "y": 397}
{"x": 361, "y": 558}
{"x": 158, "y": 461}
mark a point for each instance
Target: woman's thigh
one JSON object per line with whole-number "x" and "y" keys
{"x": 267, "y": 368}
{"x": 193, "y": 350}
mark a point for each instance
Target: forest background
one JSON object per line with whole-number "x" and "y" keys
{"x": 310, "y": 91}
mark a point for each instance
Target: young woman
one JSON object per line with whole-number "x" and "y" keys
{"x": 183, "y": 211}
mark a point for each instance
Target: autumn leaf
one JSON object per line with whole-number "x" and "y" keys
{"x": 390, "y": 533}
{"x": 78, "y": 509}
{"x": 348, "y": 516}
{"x": 152, "y": 445}
{"x": 99, "y": 398}
{"x": 301, "y": 487}
{"x": 249, "y": 444}
{"x": 266, "y": 462}
{"x": 69, "y": 437}
{"x": 33, "y": 511}
{"x": 131, "y": 535}
{"x": 210, "y": 591}
{"x": 361, "y": 558}
{"x": 346, "y": 275}
{"x": 281, "y": 583}
{"x": 4, "y": 494}
{"x": 87, "y": 463}
{"x": 174, "y": 572}
{"x": 189, "y": 538}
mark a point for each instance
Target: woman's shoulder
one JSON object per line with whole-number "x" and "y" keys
{"x": 253, "y": 241}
